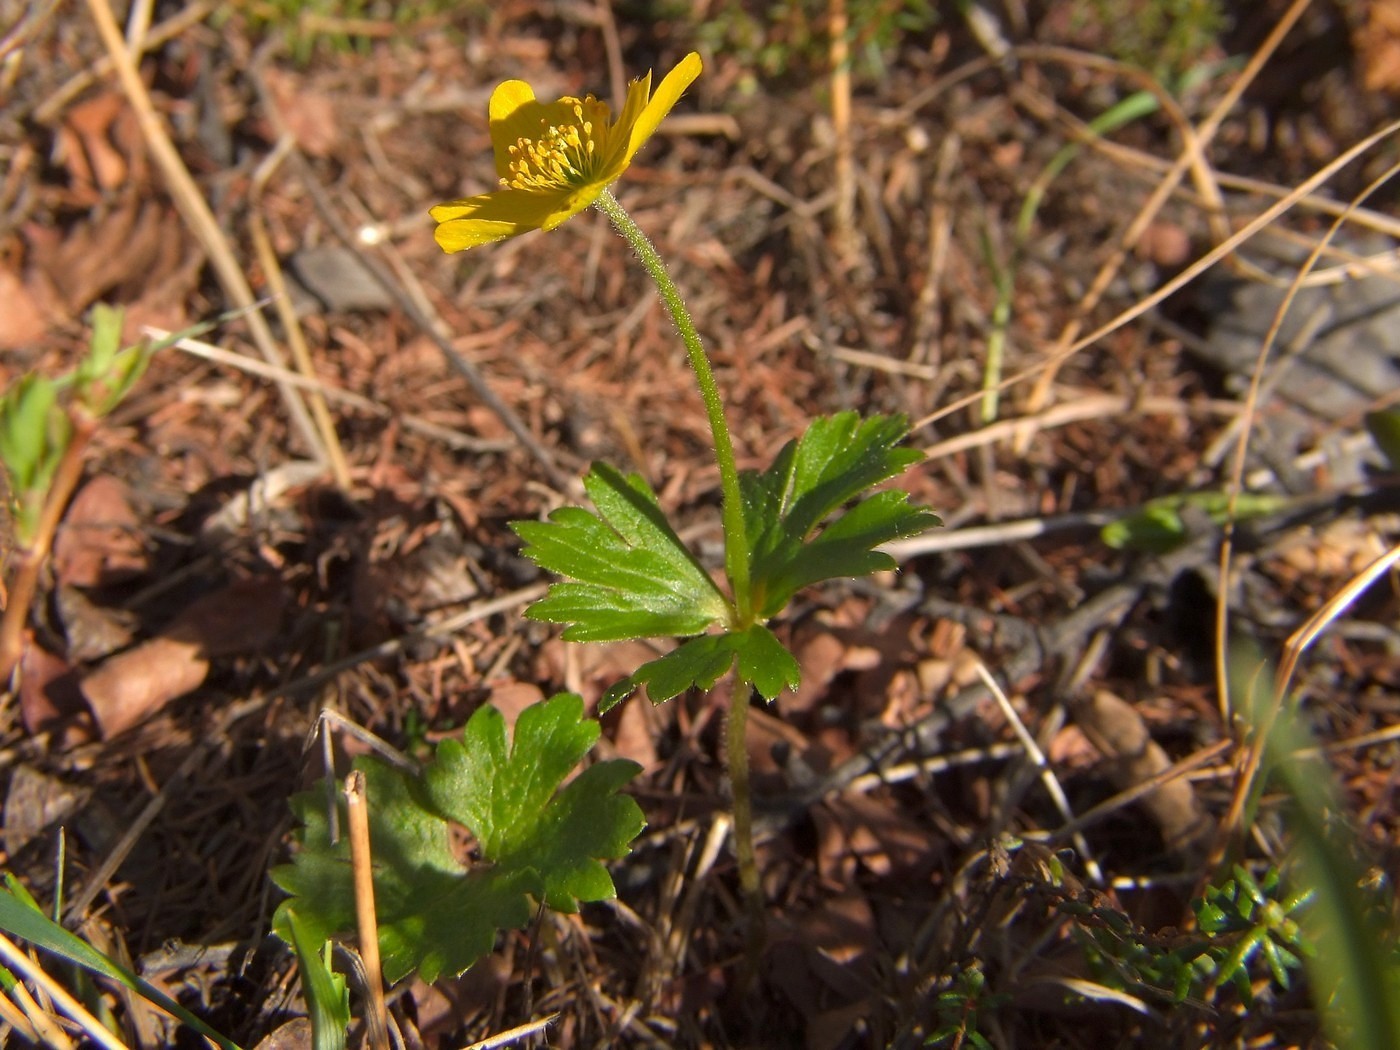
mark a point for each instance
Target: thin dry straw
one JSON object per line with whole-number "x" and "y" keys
{"x": 195, "y": 211}
{"x": 1047, "y": 775}
{"x": 1204, "y": 263}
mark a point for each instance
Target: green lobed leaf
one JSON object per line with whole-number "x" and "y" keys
{"x": 696, "y": 664}
{"x": 838, "y": 459}
{"x": 764, "y": 663}
{"x": 510, "y": 798}
{"x": 845, "y": 547}
{"x": 632, "y": 576}
{"x": 537, "y": 842}
{"x": 434, "y": 914}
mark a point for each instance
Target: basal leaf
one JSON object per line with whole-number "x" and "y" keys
{"x": 495, "y": 789}
{"x": 537, "y": 842}
{"x": 434, "y": 914}
{"x": 632, "y": 576}
{"x": 586, "y": 821}
{"x": 510, "y": 797}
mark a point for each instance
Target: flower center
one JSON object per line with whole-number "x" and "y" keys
{"x": 565, "y": 153}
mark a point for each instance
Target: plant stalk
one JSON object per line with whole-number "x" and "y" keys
{"x": 736, "y": 556}
{"x": 737, "y": 756}
{"x": 29, "y": 560}
{"x": 736, "y": 541}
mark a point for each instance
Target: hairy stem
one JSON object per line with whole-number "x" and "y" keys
{"x": 736, "y": 555}
{"x": 736, "y": 543}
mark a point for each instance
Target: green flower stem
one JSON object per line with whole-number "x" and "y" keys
{"x": 736, "y": 557}
{"x": 736, "y": 541}
{"x": 737, "y": 753}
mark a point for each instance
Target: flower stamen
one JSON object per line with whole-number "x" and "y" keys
{"x": 563, "y": 154}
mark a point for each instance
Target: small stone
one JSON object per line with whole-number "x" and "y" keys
{"x": 340, "y": 279}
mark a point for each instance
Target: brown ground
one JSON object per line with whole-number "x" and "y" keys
{"x": 814, "y": 294}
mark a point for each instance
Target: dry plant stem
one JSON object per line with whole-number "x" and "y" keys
{"x": 838, "y": 27}
{"x": 282, "y": 300}
{"x": 27, "y": 968}
{"x": 451, "y": 438}
{"x": 1246, "y": 423}
{"x": 193, "y": 209}
{"x": 514, "y": 1035}
{"x": 32, "y": 1021}
{"x": 1205, "y": 262}
{"x": 30, "y": 561}
{"x": 52, "y": 107}
{"x": 1191, "y": 156}
{"x": 1252, "y": 755}
{"x": 362, "y": 870}
{"x": 1298, "y": 642}
{"x": 1042, "y": 765}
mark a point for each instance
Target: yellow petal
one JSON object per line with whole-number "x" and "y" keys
{"x": 461, "y": 234}
{"x": 495, "y": 216}
{"x": 566, "y": 153}
{"x": 573, "y": 204}
{"x": 509, "y": 96}
{"x": 667, "y": 95}
{"x": 638, "y": 92}
{"x": 507, "y": 99}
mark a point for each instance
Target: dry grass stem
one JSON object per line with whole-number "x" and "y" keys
{"x": 31, "y": 971}
{"x": 196, "y": 213}
{"x": 1042, "y": 765}
{"x": 366, "y": 921}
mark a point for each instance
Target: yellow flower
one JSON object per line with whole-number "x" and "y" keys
{"x": 555, "y": 158}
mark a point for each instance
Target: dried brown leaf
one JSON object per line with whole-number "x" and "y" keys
{"x": 49, "y": 700}
{"x": 22, "y": 321}
{"x": 99, "y": 543}
{"x": 130, "y": 687}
